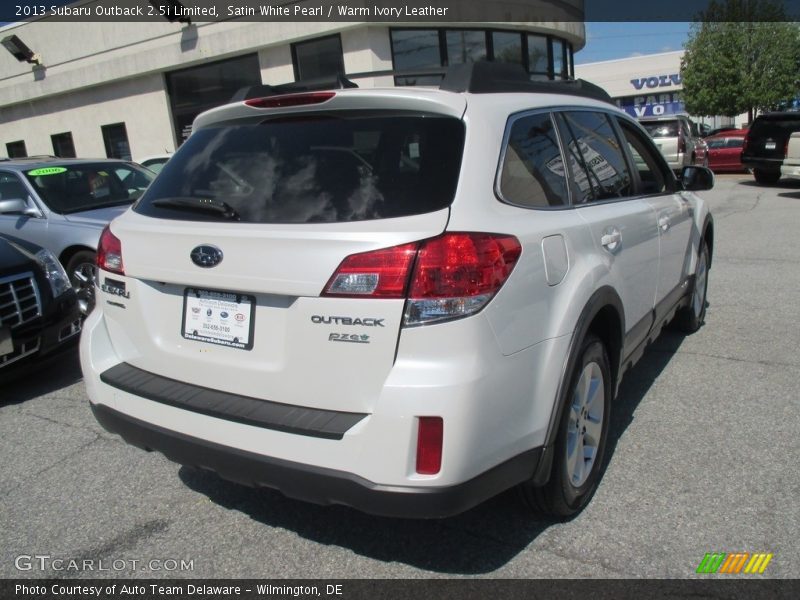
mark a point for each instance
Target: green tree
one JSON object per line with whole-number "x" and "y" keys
{"x": 742, "y": 56}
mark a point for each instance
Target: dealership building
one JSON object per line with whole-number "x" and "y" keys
{"x": 647, "y": 86}
{"x": 132, "y": 89}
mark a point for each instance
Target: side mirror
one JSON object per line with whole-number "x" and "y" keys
{"x": 18, "y": 206}
{"x": 697, "y": 179}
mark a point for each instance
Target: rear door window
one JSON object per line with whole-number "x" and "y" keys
{"x": 532, "y": 171}
{"x": 598, "y": 166}
{"x": 323, "y": 168}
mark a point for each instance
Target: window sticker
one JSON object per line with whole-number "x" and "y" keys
{"x": 46, "y": 171}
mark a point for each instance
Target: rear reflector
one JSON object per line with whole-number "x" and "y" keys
{"x": 429, "y": 445}
{"x": 109, "y": 252}
{"x": 290, "y": 100}
{"x": 443, "y": 278}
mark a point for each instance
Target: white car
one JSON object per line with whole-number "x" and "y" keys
{"x": 791, "y": 164}
{"x": 402, "y": 300}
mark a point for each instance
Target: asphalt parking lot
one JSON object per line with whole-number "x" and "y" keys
{"x": 703, "y": 457}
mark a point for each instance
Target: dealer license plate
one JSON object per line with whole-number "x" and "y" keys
{"x": 6, "y": 343}
{"x": 223, "y": 318}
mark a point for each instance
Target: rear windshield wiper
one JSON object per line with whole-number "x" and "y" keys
{"x": 199, "y": 204}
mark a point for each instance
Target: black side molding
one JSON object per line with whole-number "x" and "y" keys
{"x": 316, "y": 484}
{"x": 300, "y": 420}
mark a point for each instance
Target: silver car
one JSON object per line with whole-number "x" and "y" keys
{"x": 678, "y": 139}
{"x": 63, "y": 205}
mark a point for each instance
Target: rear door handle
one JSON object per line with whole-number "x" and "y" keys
{"x": 664, "y": 223}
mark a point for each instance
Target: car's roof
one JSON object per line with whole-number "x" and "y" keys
{"x": 31, "y": 162}
{"x": 779, "y": 115}
{"x": 728, "y": 133}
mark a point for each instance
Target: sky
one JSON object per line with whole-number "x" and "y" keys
{"x": 610, "y": 41}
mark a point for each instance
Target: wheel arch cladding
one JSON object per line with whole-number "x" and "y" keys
{"x": 70, "y": 251}
{"x": 708, "y": 237}
{"x": 604, "y": 316}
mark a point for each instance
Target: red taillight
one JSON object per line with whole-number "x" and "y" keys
{"x": 450, "y": 276}
{"x": 109, "y": 252}
{"x": 429, "y": 445}
{"x": 459, "y": 265}
{"x": 681, "y": 144}
{"x": 290, "y": 100}
{"x": 744, "y": 145}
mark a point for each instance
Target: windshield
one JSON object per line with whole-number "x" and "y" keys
{"x": 325, "y": 168}
{"x": 87, "y": 186}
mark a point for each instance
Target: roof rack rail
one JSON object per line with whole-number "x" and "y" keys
{"x": 337, "y": 82}
{"x": 32, "y": 157}
{"x": 485, "y": 77}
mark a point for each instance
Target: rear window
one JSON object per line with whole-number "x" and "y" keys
{"x": 87, "y": 186}
{"x": 312, "y": 169}
{"x": 662, "y": 129}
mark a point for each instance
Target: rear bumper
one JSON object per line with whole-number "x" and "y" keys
{"x": 765, "y": 164}
{"x": 316, "y": 484}
{"x": 792, "y": 170}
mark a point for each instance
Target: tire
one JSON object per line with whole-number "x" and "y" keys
{"x": 766, "y": 177}
{"x": 82, "y": 271}
{"x": 690, "y": 318}
{"x": 581, "y": 439}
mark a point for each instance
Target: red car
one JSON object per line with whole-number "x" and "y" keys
{"x": 725, "y": 151}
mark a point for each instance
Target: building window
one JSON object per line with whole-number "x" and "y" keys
{"x": 115, "y": 138}
{"x": 196, "y": 89}
{"x": 465, "y": 46}
{"x": 62, "y": 145}
{"x": 538, "y": 59}
{"x": 320, "y": 57}
{"x": 559, "y": 64}
{"x": 544, "y": 57}
{"x": 16, "y": 149}
{"x": 507, "y": 47}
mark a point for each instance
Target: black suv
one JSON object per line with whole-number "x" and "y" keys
{"x": 765, "y": 144}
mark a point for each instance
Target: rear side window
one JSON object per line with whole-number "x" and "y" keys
{"x": 532, "y": 173}
{"x": 716, "y": 143}
{"x": 598, "y": 166}
{"x": 325, "y": 168}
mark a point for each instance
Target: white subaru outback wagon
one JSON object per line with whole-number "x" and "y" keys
{"x": 401, "y": 300}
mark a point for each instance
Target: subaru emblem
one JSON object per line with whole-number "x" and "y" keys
{"x": 206, "y": 256}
